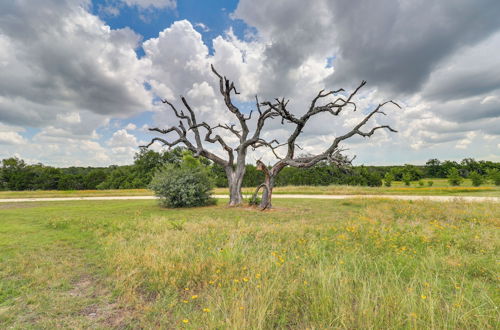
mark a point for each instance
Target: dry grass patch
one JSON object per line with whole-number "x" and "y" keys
{"x": 306, "y": 264}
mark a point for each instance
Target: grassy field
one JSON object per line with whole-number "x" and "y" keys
{"x": 439, "y": 188}
{"x": 306, "y": 264}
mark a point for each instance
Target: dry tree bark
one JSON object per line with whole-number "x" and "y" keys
{"x": 234, "y": 163}
{"x": 332, "y": 154}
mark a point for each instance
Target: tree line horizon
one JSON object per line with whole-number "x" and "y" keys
{"x": 16, "y": 174}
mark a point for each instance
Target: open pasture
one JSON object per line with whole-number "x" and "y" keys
{"x": 305, "y": 264}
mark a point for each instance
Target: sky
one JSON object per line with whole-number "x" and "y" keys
{"x": 81, "y": 81}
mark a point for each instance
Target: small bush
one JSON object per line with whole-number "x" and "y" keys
{"x": 183, "y": 186}
{"x": 494, "y": 176}
{"x": 421, "y": 183}
{"x": 388, "y": 178}
{"x": 454, "y": 177}
{"x": 430, "y": 183}
{"x": 407, "y": 178}
{"x": 477, "y": 179}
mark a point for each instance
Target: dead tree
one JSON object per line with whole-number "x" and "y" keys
{"x": 332, "y": 154}
{"x": 234, "y": 164}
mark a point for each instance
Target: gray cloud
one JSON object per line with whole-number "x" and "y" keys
{"x": 392, "y": 44}
{"x": 397, "y": 44}
{"x": 66, "y": 72}
{"x": 471, "y": 72}
{"x": 56, "y": 57}
{"x": 437, "y": 58}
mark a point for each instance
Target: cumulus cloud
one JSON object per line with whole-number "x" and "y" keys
{"x": 434, "y": 57}
{"x": 68, "y": 73}
{"x": 63, "y": 60}
{"x": 122, "y": 138}
{"x": 11, "y": 138}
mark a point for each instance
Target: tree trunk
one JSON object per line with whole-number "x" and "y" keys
{"x": 235, "y": 180}
{"x": 267, "y": 186}
{"x": 267, "y": 192}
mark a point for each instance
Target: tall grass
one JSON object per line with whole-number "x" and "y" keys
{"x": 315, "y": 265}
{"x": 307, "y": 264}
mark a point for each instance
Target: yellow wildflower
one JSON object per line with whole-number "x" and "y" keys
{"x": 194, "y": 296}
{"x": 206, "y": 310}
{"x": 186, "y": 321}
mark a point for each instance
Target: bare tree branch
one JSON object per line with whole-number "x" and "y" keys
{"x": 333, "y": 153}
{"x": 234, "y": 164}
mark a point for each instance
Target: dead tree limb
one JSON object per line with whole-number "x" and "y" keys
{"x": 333, "y": 153}
{"x": 202, "y": 132}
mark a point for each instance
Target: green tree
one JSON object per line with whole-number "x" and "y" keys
{"x": 454, "y": 177}
{"x": 146, "y": 162}
{"x": 477, "y": 179}
{"x": 388, "y": 178}
{"x": 15, "y": 174}
{"x": 494, "y": 175}
{"x": 407, "y": 178}
{"x": 93, "y": 178}
{"x": 433, "y": 168}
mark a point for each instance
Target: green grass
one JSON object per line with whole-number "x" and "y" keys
{"x": 73, "y": 193}
{"x": 439, "y": 188}
{"x": 306, "y": 264}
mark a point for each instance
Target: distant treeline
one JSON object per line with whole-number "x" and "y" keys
{"x": 15, "y": 174}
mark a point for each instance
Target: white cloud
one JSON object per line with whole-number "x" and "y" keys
{"x": 131, "y": 127}
{"x": 67, "y": 73}
{"x": 152, "y": 3}
{"x": 122, "y": 138}
{"x": 58, "y": 60}
{"x": 202, "y": 26}
{"x": 11, "y": 138}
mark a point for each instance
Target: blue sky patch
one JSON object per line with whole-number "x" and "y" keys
{"x": 210, "y": 18}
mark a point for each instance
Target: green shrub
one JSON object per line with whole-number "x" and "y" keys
{"x": 477, "y": 179}
{"x": 430, "y": 183}
{"x": 454, "y": 177}
{"x": 494, "y": 175}
{"x": 407, "y": 178}
{"x": 421, "y": 183}
{"x": 388, "y": 178}
{"x": 183, "y": 186}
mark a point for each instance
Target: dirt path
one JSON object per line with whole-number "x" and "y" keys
{"x": 286, "y": 196}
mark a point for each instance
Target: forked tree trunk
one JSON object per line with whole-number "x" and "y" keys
{"x": 267, "y": 193}
{"x": 267, "y": 186}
